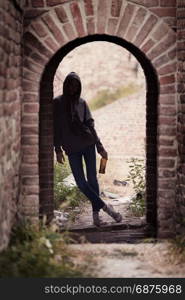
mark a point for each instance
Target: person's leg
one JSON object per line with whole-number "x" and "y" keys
{"x": 90, "y": 161}
{"x": 75, "y": 161}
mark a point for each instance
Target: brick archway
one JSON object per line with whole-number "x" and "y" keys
{"x": 136, "y": 28}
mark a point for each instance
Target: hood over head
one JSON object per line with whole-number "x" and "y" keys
{"x": 72, "y": 87}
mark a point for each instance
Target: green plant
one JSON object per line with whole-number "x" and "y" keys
{"x": 66, "y": 198}
{"x": 106, "y": 96}
{"x": 137, "y": 178}
{"x": 62, "y": 193}
{"x": 37, "y": 253}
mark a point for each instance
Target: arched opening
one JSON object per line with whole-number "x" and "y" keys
{"x": 46, "y": 126}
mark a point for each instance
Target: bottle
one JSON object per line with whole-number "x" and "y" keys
{"x": 103, "y": 163}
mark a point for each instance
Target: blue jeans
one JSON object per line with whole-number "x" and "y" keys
{"x": 89, "y": 186}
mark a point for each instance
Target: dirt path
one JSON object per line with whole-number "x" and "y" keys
{"x": 124, "y": 261}
{"x": 121, "y": 127}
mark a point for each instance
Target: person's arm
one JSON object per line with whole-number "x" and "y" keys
{"x": 89, "y": 122}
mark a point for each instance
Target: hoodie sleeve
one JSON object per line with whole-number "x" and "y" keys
{"x": 89, "y": 122}
{"x": 56, "y": 127}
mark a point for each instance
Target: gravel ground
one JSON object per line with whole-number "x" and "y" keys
{"x": 145, "y": 260}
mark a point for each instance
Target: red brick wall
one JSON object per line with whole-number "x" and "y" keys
{"x": 10, "y": 115}
{"x": 180, "y": 200}
{"x": 50, "y": 25}
{"x": 149, "y": 26}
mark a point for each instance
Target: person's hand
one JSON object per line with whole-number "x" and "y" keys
{"x": 60, "y": 157}
{"x": 104, "y": 154}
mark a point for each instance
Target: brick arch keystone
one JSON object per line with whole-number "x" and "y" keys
{"x": 45, "y": 36}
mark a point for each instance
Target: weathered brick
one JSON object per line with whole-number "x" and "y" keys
{"x": 167, "y": 184}
{"x": 54, "y": 29}
{"x": 30, "y": 76}
{"x": 167, "y": 79}
{"x": 166, "y": 163}
{"x": 167, "y": 89}
{"x": 167, "y": 131}
{"x": 182, "y": 99}
{"x": 136, "y": 23}
{"x": 38, "y": 59}
{"x": 32, "y": 13}
{"x": 60, "y": 11}
{"x": 128, "y": 13}
{"x": 164, "y": 12}
{"x": 162, "y": 60}
{"x": 181, "y": 34}
{"x": 147, "y": 3}
{"x": 144, "y": 31}
{"x": 180, "y": 55}
{"x": 32, "y": 66}
{"x": 30, "y": 86}
{"x": 50, "y": 42}
{"x": 160, "y": 32}
{"x": 88, "y": 7}
{"x": 8, "y": 109}
{"x": 116, "y": 8}
{"x": 172, "y": 53}
{"x": 165, "y": 142}
{"x": 171, "y": 22}
{"x": 37, "y": 3}
{"x": 55, "y": 2}
{"x": 180, "y": 4}
{"x": 162, "y": 46}
{"x": 168, "y": 152}
{"x": 147, "y": 45}
{"x": 169, "y": 3}
{"x": 31, "y": 108}
{"x": 75, "y": 10}
{"x": 112, "y": 24}
{"x": 181, "y": 88}
{"x": 39, "y": 29}
{"x": 90, "y": 26}
{"x": 30, "y": 130}
{"x": 34, "y": 42}
{"x": 167, "y": 173}
{"x": 180, "y": 45}
{"x": 180, "y": 77}
{"x": 29, "y": 97}
{"x": 29, "y": 169}
{"x": 29, "y": 180}
{"x": 29, "y": 140}
{"x": 32, "y": 190}
{"x": 167, "y": 99}
{"x": 31, "y": 201}
{"x": 183, "y": 108}
{"x": 170, "y": 68}
{"x": 101, "y": 16}
{"x": 27, "y": 159}
{"x": 180, "y": 13}
{"x": 68, "y": 29}
{"x": 167, "y": 195}
{"x": 167, "y": 121}
{"x": 30, "y": 150}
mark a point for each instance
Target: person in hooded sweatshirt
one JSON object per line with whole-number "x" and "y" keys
{"x": 75, "y": 134}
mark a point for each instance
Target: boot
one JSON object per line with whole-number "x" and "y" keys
{"x": 111, "y": 212}
{"x": 96, "y": 219}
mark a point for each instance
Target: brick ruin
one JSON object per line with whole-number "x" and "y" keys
{"x": 35, "y": 36}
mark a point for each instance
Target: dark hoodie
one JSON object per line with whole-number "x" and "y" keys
{"x": 73, "y": 123}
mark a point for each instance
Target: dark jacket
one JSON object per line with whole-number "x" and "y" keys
{"x": 73, "y": 123}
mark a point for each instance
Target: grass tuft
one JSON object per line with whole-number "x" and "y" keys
{"x": 105, "y": 97}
